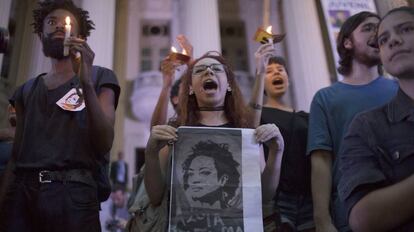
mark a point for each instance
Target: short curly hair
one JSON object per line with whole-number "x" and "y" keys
{"x": 47, "y": 6}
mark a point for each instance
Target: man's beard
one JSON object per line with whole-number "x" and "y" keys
{"x": 367, "y": 57}
{"x": 369, "y": 60}
{"x": 53, "y": 48}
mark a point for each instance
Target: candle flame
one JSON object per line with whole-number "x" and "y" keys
{"x": 269, "y": 29}
{"x": 184, "y": 52}
{"x": 67, "y": 20}
{"x": 173, "y": 49}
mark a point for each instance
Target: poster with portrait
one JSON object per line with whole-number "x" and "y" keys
{"x": 215, "y": 182}
{"x": 336, "y": 12}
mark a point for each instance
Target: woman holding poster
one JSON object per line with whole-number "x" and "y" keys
{"x": 209, "y": 96}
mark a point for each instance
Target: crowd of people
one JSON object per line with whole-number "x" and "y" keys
{"x": 347, "y": 165}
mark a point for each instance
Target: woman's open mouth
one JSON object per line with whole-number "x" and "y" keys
{"x": 277, "y": 81}
{"x": 210, "y": 85}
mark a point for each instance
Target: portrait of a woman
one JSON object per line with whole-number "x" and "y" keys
{"x": 211, "y": 178}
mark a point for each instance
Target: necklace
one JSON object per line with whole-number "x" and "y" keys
{"x": 209, "y": 108}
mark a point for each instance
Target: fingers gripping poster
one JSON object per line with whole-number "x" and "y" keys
{"x": 215, "y": 184}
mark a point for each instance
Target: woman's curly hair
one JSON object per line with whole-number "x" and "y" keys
{"x": 47, "y": 6}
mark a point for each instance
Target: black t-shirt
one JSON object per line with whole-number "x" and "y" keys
{"x": 295, "y": 173}
{"x": 53, "y": 138}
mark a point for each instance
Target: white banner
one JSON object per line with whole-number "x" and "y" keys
{"x": 215, "y": 181}
{"x": 336, "y": 12}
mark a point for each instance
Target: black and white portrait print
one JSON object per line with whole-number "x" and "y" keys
{"x": 206, "y": 180}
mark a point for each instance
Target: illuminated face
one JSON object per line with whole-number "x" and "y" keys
{"x": 202, "y": 177}
{"x": 365, "y": 32}
{"x": 209, "y": 82}
{"x": 53, "y": 33}
{"x": 54, "y": 24}
{"x": 276, "y": 80}
{"x": 396, "y": 43}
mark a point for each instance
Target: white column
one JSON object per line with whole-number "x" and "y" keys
{"x": 306, "y": 53}
{"x": 101, "y": 40}
{"x": 4, "y": 12}
{"x": 199, "y": 21}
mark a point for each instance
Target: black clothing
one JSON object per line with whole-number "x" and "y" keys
{"x": 49, "y": 138}
{"x": 53, "y": 138}
{"x": 56, "y": 206}
{"x": 295, "y": 173}
{"x": 378, "y": 151}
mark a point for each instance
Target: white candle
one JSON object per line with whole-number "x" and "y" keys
{"x": 68, "y": 27}
{"x": 269, "y": 30}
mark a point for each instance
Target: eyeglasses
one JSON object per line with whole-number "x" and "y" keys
{"x": 200, "y": 69}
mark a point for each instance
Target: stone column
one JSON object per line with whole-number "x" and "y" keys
{"x": 101, "y": 40}
{"x": 199, "y": 21}
{"x": 306, "y": 52}
{"x": 121, "y": 50}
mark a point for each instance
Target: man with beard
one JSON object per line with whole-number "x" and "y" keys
{"x": 377, "y": 156}
{"x": 334, "y": 107}
{"x": 57, "y": 151}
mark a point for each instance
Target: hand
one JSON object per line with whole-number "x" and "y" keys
{"x": 168, "y": 68}
{"x": 82, "y": 65}
{"x": 122, "y": 223}
{"x": 262, "y": 55}
{"x": 186, "y": 45}
{"x": 271, "y": 136}
{"x": 12, "y": 115}
{"x": 160, "y": 136}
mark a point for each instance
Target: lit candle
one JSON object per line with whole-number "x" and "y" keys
{"x": 173, "y": 49}
{"x": 176, "y": 56}
{"x": 266, "y": 36}
{"x": 68, "y": 28}
{"x": 269, "y": 31}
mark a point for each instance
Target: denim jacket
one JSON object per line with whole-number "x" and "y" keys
{"x": 378, "y": 151}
